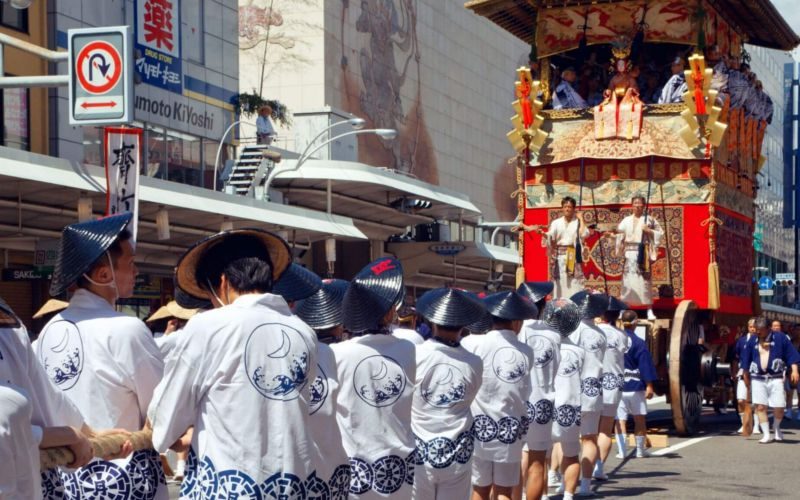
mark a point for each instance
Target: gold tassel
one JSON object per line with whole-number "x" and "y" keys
{"x": 713, "y": 286}
{"x": 520, "y": 277}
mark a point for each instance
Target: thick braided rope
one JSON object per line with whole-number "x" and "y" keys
{"x": 104, "y": 446}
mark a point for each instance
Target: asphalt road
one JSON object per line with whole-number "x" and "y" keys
{"x": 717, "y": 463}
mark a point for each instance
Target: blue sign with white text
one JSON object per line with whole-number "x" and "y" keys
{"x": 157, "y": 47}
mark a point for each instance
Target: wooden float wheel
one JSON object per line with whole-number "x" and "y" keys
{"x": 685, "y": 375}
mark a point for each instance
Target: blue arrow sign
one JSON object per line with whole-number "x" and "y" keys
{"x": 765, "y": 283}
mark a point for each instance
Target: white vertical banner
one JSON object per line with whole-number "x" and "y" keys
{"x": 123, "y": 156}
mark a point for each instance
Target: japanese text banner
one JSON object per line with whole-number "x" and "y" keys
{"x": 123, "y": 163}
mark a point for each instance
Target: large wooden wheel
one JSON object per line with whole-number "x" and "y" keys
{"x": 685, "y": 375}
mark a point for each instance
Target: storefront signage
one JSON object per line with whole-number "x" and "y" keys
{"x": 123, "y": 164}
{"x": 188, "y": 115}
{"x": 158, "y": 43}
{"x": 46, "y": 254}
{"x": 24, "y": 274}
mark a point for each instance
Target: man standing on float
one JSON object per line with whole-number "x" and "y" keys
{"x": 638, "y": 238}
{"x": 562, "y": 240}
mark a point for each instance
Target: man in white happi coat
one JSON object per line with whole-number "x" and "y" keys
{"x": 563, "y": 316}
{"x": 499, "y": 409}
{"x": 448, "y": 379}
{"x": 638, "y": 237}
{"x": 376, "y": 371}
{"x": 323, "y": 312}
{"x": 545, "y": 343}
{"x": 593, "y": 341}
{"x": 240, "y": 377}
{"x": 562, "y": 241}
{"x": 33, "y": 415}
{"x": 676, "y": 85}
{"x": 617, "y": 344}
{"x": 105, "y": 362}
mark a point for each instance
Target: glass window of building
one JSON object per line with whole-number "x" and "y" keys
{"x": 209, "y": 157}
{"x": 10, "y": 17}
{"x": 156, "y": 152}
{"x": 15, "y": 117}
{"x": 183, "y": 157}
{"x": 192, "y": 30}
{"x": 93, "y": 146}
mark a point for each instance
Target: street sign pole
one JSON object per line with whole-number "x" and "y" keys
{"x": 100, "y": 76}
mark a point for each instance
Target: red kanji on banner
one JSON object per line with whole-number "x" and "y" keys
{"x": 158, "y": 22}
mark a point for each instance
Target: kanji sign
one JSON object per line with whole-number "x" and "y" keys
{"x": 158, "y": 42}
{"x": 123, "y": 163}
{"x": 101, "y": 76}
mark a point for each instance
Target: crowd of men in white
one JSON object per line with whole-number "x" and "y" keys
{"x": 267, "y": 409}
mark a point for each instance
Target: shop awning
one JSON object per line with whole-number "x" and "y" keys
{"x": 366, "y": 193}
{"x": 464, "y": 264}
{"x": 39, "y": 196}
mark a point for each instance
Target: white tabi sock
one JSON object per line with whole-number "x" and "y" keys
{"x": 756, "y": 426}
{"x": 585, "y": 488}
{"x": 765, "y": 430}
{"x": 568, "y": 496}
{"x": 598, "y": 470}
{"x": 741, "y": 418}
{"x": 621, "y": 445}
{"x": 778, "y": 433}
{"x": 640, "y": 446}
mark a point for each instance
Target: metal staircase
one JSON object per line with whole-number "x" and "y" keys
{"x": 251, "y": 169}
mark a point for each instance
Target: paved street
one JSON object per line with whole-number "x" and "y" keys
{"x": 716, "y": 463}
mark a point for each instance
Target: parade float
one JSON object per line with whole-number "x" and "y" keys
{"x": 695, "y": 161}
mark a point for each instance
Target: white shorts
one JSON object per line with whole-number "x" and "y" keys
{"x": 590, "y": 423}
{"x": 610, "y": 410}
{"x": 768, "y": 392}
{"x": 741, "y": 390}
{"x": 441, "y": 484}
{"x": 487, "y": 472}
{"x": 632, "y": 403}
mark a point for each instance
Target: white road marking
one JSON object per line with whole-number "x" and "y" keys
{"x": 679, "y": 446}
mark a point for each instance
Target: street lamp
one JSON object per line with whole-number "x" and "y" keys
{"x": 384, "y": 133}
{"x": 20, "y": 4}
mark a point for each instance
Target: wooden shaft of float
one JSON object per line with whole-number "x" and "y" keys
{"x": 103, "y": 446}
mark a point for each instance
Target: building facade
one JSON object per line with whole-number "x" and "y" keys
{"x": 187, "y": 67}
{"x": 440, "y": 75}
{"x": 791, "y": 158}
{"x": 773, "y": 242}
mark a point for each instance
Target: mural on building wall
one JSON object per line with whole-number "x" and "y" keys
{"x": 382, "y": 83}
{"x": 270, "y": 41}
{"x": 382, "y": 77}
